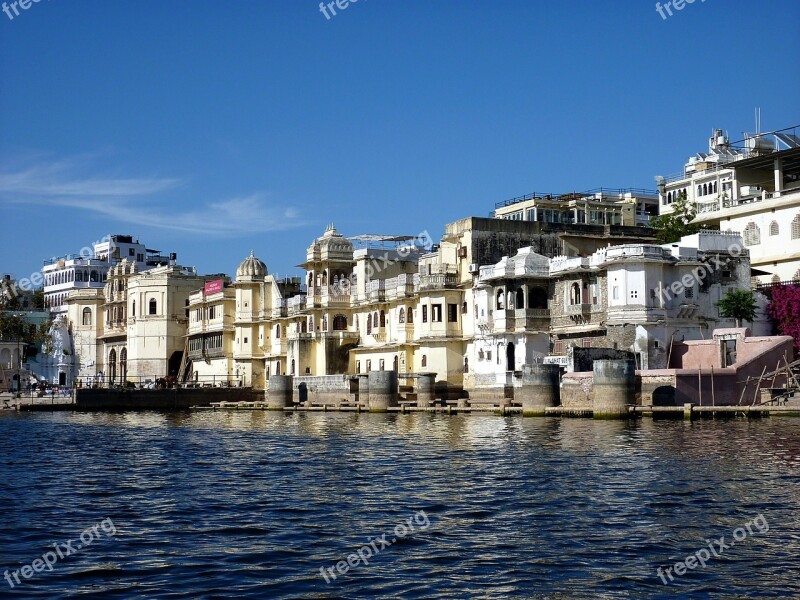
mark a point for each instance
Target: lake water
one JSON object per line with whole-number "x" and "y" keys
{"x": 255, "y": 504}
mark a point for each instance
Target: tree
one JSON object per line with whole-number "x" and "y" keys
{"x": 671, "y": 227}
{"x": 739, "y": 305}
{"x": 784, "y": 310}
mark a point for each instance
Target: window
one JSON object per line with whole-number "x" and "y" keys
{"x": 424, "y": 313}
{"x": 358, "y": 366}
{"x": 452, "y": 313}
{"x": 277, "y": 331}
{"x": 689, "y": 292}
{"x": 424, "y": 360}
{"x": 615, "y": 292}
{"x": 773, "y": 228}
{"x": 464, "y": 308}
{"x": 752, "y": 235}
{"x": 410, "y": 315}
{"x": 796, "y": 227}
{"x": 436, "y": 313}
{"x": 133, "y": 308}
{"x": 87, "y": 316}
{"x": 466, "y": 365}
{"x": 369, "y": 366}
{"x": 402, "y": 317}
{"x": 340, "y": 323}
{"x": 575, "y": 293}
{"x": 382, "y": 365}
{"x": 634, "y": 294}
{"x": 500, "y": 300}
{"x": 587, "y": 342}
{"x": 489, "y": 355}
{"x": 212, "y": 312}
{"x": 245, "y": 340}
{"x": 383, "y": 322}
{"x": 369, "y": 323}
{"x": 152, "y": 307}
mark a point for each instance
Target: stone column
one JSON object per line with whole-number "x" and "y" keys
{"x": 426, "y": 387}
{"x": 540, "y": 389}
{"x": 382, "y": 390}
{"x": 363, "y": 390}
{"x": 613, "y": 388}
{"x": 280, "y": 394}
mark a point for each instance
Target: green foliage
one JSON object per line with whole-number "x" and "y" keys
{"x": 739, "y": 305}
{"x": 673, "y": 226}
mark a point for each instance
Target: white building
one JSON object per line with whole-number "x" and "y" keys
{"x": 751, "y": 187}
{"x": 87, "y": 269}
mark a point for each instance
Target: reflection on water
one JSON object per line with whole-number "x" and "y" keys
{"x": 252, "y": 504}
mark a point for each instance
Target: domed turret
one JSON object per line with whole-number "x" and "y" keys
{"x": 332, "y": 245}
{"x": 251, "y": 268}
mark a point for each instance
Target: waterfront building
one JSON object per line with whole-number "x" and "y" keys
{"x": 211, "y": 333}
{"x": 87, "y": 269}
{"x": 752, "y": 187}
{"x": 260, "y": 321}
{"x": 135, "y": 327}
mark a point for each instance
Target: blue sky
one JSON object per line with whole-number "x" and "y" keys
{"x": 209, "y": 128}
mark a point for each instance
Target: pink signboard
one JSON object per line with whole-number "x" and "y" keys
{"x": 212, "y": 287}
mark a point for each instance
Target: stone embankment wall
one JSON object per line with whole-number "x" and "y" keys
{"x": 169, "y": 399}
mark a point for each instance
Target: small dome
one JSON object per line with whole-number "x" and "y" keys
{"x": 251, "y": 267}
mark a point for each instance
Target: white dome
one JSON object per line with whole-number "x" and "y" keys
{"x": 251, "y": 267}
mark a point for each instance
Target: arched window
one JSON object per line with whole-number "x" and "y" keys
{"x": 133, "y": 308}
{"x": 796, "y": 227}
{"x": 410, "y": 315}
{"x": 466, "y": 365}
{"x": 112, "y": 366}
{"x": 395, "y": 364}
{"x": 303, "y": 326}
{"x": 699, "y": 190}
{"x": 277, "y": 332}
{"x": 575, "y": 293}
{"x": 375, "y": 319}
{"x": 510, "y": 300}
{"x": 94, "y": 276}
{"x": 402, "y": 317}
{"x": 369, "y": 323}
{"x": 520, "y": 303}
{"x": 383, "y": 319}
{"x": 292, "y": 373}
{"x": 79, "y": 276}
{"x": 152, "y": 308}
{"x": 424, "y": 360}
{"x": 752, "y": 235}
{"x": 500, "y": 300}
{"x": 705, "y": 189}
{"x": 774, "y": 229}
{"x": 87, "y": 316}
{"x": 123, "y": 364}
{"x": 715, "y": 187}
{"x": 324, "y": 322}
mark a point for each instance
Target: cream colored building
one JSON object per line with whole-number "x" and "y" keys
{"x": 211, "y": 332}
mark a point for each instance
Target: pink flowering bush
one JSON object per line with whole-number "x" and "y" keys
{"x": 784, "y": 310}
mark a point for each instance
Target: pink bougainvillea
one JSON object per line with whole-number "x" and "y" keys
{"x": 784, "y": 310}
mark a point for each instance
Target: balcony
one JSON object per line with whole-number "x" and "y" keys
{"x": 531, "y": 318}
{"x": 578, "y": 309}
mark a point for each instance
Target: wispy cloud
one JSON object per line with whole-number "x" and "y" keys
{"x": 59, "y": 183}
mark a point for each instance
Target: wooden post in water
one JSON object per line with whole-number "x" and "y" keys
{"x": 700, "y": 386}
{"x": 713, "y": 397}
{"x": 758, "y": 385}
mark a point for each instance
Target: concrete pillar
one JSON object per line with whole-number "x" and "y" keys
{"x": 280, "y": 393}
{"x": 382, "y": 390}
{"x": 426, "y": 383}
{"x": 613, "y": 387}
{"x": 539, "y": 390}
{"x": 363, "y": 390}
{"x": 778, "y": 168}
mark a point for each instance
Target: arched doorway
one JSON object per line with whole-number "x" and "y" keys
{"x": 123, "y": 364}
{"x": 175, "y": 363}
{"x": 510, "y": 358}
{"x": 112, "y": 366}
